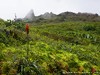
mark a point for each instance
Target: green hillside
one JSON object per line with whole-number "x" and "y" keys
{"x": 50, "y": 48}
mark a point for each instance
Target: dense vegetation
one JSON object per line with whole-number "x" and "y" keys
{"x": 50, "y": 48}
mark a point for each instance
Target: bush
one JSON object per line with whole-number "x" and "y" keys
{"x": 89, "y": 28}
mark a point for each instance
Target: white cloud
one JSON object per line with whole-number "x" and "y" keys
{"x": 22, "y": 7}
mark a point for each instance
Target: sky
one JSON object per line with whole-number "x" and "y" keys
{"x": 8, "y": 8}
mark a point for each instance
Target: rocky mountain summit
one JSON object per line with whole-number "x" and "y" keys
{"x": 64, "y": 16}
{"x": 30, "y": 16}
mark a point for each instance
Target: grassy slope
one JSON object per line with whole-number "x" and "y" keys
{"x": 56, "y": 47}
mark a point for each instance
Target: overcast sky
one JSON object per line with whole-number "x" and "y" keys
{"x": 21, "y": 7}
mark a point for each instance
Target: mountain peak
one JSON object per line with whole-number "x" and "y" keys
{"x": 48, "y": 15}
{"x": 30, "y": 15}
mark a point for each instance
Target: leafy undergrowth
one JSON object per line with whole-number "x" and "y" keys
{"x": 51, "y": 49}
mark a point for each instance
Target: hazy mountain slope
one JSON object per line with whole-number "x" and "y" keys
{"x": 30, "y": 16}
{"x": 64, "y": 16}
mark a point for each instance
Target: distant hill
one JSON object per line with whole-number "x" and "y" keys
{"x": 64, "y": 16}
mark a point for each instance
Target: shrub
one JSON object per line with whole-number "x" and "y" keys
{"x": 89, "y": 28}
